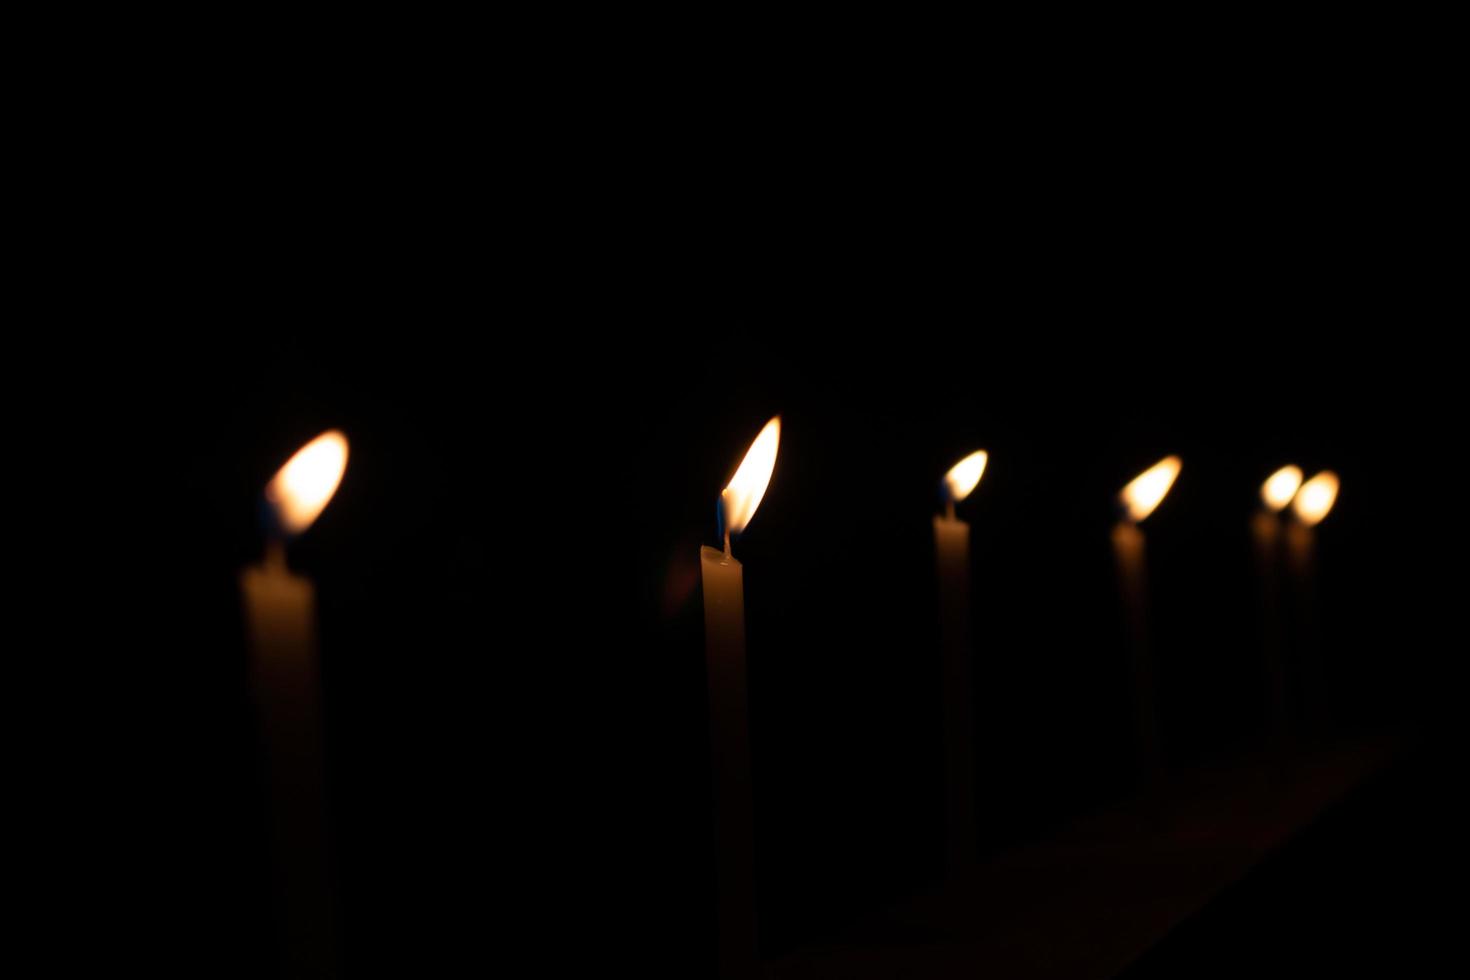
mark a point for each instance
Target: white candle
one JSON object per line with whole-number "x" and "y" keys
{"x": 724, "y": 630}
{"x": 1276, "y": 493}
{"x": 280, "y": 625}
{"x": 1312, "y": 503}
{"x": 952, "y": 570}
{"x": 1138, "y": 499}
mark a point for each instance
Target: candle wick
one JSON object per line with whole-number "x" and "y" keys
{"x": 275, "y": 553}
{"x": 726, "y": 559}
{"x": 949, "y": 509}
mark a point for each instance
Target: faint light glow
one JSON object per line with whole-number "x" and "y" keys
{"x": 964, "y": 475}
{"x": 1143, "y": 494}
{"x": 1316, "y": 498}
{"x": 740, "y": 499}
{"x": 1281, "y": 486}
{"x": 302, "y": 488}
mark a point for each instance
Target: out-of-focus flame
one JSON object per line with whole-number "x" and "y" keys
{"x": 1280, "y": 487}
{"x": 964, "y": 475}
{"x": 300, "y": 491}
{"x": 1143, "y": 494}
{"x": 1316, "y": 497}
{"x": 739, "y": 500}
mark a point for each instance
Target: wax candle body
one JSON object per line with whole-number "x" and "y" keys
{"x": 952, "y": 565}
{"x": 280, "y": 623}
{"x": 1266, "y": 534}
{"x": 724, "y": 631}
{"x": 1128, "y": 549}
{"x": 1301, "y": 551}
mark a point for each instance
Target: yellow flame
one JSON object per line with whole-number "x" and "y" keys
{"x": 1281, "y": 486}
{"x": 1148, "y": 488}
{"x": 300, "y": 491}
{"x": 1316, "y": 497}
{"x": 964, "y": 475}
{"x": 748, "y": 485}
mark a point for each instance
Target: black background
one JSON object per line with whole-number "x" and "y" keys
{"x": 548, "y": 369}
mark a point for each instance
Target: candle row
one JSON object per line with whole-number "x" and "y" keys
{"x": 279, "y": 608}
{"x": 723, "y": 582}
{"x": 1310, "y": 500}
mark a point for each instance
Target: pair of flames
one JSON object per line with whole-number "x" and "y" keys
{"x": 1140, "y": 496}
{"x": 1310, "y": 501}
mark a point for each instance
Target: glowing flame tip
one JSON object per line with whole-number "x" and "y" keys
{"x": 1316, "y": 498}
{"x": 301, "y": 489}
{"x": 1146, "y": 490}
{"x": 964, "y": 475}
{"x": 739, "y": 500}
{"x": 1280, "y": 487}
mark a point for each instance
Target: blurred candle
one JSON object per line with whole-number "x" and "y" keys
{"x": 952, "y": 566}
{"x": 724, "y": 631}
{"x": 280, "y": 624}
{"x": 1139, "y": 498}
{"x": 1312, "y": 503}
{"x": 1276, "y": 493}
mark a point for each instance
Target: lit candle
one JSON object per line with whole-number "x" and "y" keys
{"x": 1139, "y": 498}
{"x": 724, "y": 632}
{"x": 1312, "y": 503}
{"x": 1276, "y": 493}
{"x": 952, "y": 566}
{"x": 280, "y": 624}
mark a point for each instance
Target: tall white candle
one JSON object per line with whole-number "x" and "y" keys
{"x": 1138, "y": 499}
{"x": 1312, "y": 503}
{"x": 952, "y": 572}
{"x": 737, "y": 939}
{"x": 280, "y": 625}
{"x": 1276, "y": 493}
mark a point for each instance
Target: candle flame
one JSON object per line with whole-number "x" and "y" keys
{"x": 1316, "y": 498}
{"x": 300, "y": 491}
{"x": 740, "y": 499}
{"x": 1143, "y": 494}
{"x": 964, "y": 475}
{"x": 1280, "y": 487}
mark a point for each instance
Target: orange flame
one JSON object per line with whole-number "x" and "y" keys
{"x": 1143, "y": 494}
{"x": 964, "y": 475}
{"x": 1280, "y": 487}
{"x": 739, "y": 500}
{"x": 301, "y": 489}
{"x": 1316, "y": 498}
